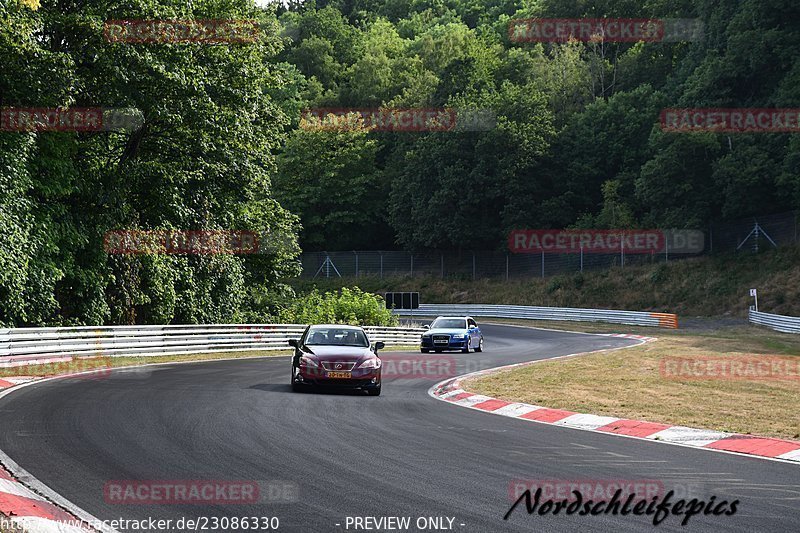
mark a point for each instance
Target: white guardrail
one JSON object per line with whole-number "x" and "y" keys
{"x": 785, "y": 324}
{"x": 634, "y": 318}
{"x": 155, "y": 340}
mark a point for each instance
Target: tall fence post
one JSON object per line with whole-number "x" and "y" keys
{"x": 542, "y": 263}
{"x": 506, "y": 266}
{"x": 412, "y": 264}
{"x": 474, "y": 272}
{"x": 356, "y": 262}
{"x": 711, "y": 239}
{"x": 442, "y": 265}
{"x": 622, "y": 250}
{"x": 581, "y": 257}
{"x": 381, "y": 265}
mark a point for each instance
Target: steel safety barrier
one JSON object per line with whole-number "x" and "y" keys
{"x": 157, "y": 340}
{"x": 784, "y": 324}
{"x": 634, "y": 318}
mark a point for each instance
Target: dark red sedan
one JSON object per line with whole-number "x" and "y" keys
{"x": 336, "y": 356}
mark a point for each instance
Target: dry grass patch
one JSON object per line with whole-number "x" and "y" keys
{"x": 628, "y": 383}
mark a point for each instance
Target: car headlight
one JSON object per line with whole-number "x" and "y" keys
{"x": 426, "y": 336}
{"x": 371, "y": 363}
{"x": 307, "y": 361}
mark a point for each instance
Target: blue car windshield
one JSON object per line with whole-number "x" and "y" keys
{"x": 336, "y": 337}
{"x": 449, "y": 323}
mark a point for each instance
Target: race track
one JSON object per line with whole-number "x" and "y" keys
{"x": 400, "y": 454}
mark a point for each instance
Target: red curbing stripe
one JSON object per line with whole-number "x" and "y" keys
{"x": 13, "y": 505}
{"x": 633, "y": 428}
{"x": 755, "y": 445}
{"x": 5, "y": 475}
{"x": 491, "y": 405}
{"x": 547, "y": 415}
{"x": 459, "y": 396}
{"x": 5, "y": 384}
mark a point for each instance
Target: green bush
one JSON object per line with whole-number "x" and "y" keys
{"x": 349, "y": 306}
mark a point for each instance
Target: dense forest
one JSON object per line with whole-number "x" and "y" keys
{"x": 576, "y": 141}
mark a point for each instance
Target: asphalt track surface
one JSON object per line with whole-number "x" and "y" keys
{"x": 400, "y": 454}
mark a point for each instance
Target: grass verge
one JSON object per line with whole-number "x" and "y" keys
{"x": 629, "y": 383}
{"x": 715, "y": 285}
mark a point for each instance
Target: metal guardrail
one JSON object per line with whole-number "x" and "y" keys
{"x": 112, "y": 341}
{"x": 784, "y": 324}
{"x": 634, "y": 318}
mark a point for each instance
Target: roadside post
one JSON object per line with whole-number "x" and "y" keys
{"x": 754, "y": 294}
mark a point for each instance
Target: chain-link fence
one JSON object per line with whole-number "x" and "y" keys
{"x": 754, "y": 233}
{"x": 464, "y": 264}
{"x": 743, "y": 236}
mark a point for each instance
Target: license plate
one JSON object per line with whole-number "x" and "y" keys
{"x": 440, "y": 342}
{"x": 340, "y": 375}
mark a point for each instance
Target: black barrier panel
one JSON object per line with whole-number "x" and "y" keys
{"x": 402, "y": 300}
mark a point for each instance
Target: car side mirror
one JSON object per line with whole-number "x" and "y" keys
{"x": 380, "y": 345}
{"x": 294, "y": 342}
{"x": 426, "y": 326}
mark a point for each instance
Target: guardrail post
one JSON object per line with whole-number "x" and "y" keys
{"x": 542, "y": 263}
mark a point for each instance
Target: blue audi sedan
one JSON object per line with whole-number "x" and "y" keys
{"x": 452, "y": 333}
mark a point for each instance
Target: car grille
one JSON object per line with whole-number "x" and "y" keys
{"x": 441, "y": 339}
{"x": 334, "y": 366}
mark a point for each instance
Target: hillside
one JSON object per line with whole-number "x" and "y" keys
{"x": 710, "y": 286}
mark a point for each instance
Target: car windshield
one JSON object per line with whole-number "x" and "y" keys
{"x": 449, "y": 323}
{"x": 337, "y": 337}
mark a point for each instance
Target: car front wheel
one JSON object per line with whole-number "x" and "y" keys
{"x": 480, "y": 346}
{"x": 296, "y": 387}
{"x": 467, "y": 347}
